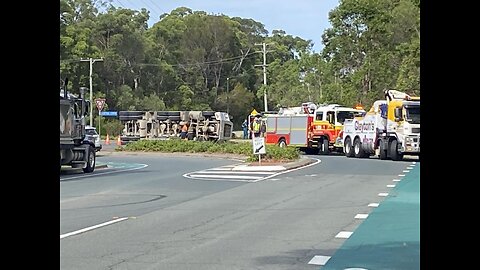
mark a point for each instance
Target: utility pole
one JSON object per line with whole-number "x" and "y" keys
{"x": 228, "y": 93}
{"x": 264, "y": 50}
{"x": 91, "y": 60}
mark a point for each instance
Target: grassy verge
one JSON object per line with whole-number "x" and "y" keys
{"x": 273, "y": 152}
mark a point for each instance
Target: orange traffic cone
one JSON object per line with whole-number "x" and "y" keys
{"x": 107, "y": 140}
{"x": 119, "y": 142}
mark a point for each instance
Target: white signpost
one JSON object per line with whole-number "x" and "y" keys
{"x": 100, "y": 102}
{"x": 259, "y": 147}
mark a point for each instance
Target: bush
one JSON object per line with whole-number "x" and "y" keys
{"x": 274, "y": 152}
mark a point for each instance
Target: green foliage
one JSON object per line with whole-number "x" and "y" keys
{"x": 274, "y": 152}
{"x": 183, "y": 61}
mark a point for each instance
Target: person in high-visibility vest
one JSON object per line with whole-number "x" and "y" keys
{"x": 256, "y": 127}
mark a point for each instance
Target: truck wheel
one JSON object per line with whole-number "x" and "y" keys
{"x": 383, "y": 151}
{"x": 348, "y": 147}
{"x": 282, "y": 143}
{"x": 357, "y": 149}
{"x": 394, "y": 152}
{"x": 90, "y": 160}
{"x": 324, "y": 147}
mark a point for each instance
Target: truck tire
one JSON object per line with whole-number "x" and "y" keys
{"x": 91, "y": 160}
{"x": 357, "y": 149}
{"x": 383, "y": 151}
{"x": 348, "y": 147}
{"x": 324, "y": 147}
{"x": 282, "y": 143}
{"x": 394, "y": 152}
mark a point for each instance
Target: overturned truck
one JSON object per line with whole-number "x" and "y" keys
{"x": 202, "y": 125}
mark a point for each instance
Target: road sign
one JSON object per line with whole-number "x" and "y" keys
{"x": 100, "y": 103}
{"x": 259, "y": 145}
{"x": 109, "y": 113}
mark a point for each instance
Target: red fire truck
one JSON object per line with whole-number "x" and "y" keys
{"x": 314, "y": 129}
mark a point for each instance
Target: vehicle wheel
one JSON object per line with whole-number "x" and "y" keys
{"x": 91, "y": 160}
{"x": 357, "y": 149}
{"x": 383, "y": 151}
{"x": 324, "y": 147}
{"x": 348, "y": 147}
{"x": 282, "y": 143}
{"x": 394, "y": 152}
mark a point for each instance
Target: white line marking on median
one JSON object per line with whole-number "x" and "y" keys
{"x": 406, "y": 171}
{"x": 390, "y": 185}
{"x": 373, "y": 204}
{"x": 319, "y": 260}
{"x": 396, "y": 180}
{"x": 361, "y": 216}
{"x": 383, "y": 194}
{"x": 92, "y": 227}
{"x": 414, "y": 162}
{"x": 409, "y": 168}
{"x": 291, "y": 170}
{"x": 343, "y": 234}
{"x": 401, "y": 175}
{"x": 230, "y": 172}
{"x": 95, "y": 174}
{"x": 223, "y": 176}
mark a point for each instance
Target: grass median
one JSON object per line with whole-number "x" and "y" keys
{"x": 274, "y": 153}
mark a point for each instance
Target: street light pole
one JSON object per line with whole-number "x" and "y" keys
{"x": 91, "y": 87}
{"x": 228, "y": 94}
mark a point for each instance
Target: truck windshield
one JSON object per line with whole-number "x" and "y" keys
{"x": 413, "y": 115}
{"x": 342, "y": 115}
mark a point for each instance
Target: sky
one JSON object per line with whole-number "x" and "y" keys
{"x": 306, "y": 19}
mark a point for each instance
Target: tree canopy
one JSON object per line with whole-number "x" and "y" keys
{"x": 185, "y": 60}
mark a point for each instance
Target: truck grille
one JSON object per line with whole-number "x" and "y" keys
{"x": 415, "y": 130}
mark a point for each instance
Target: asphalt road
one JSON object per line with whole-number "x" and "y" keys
{"x": 137, "y": 217}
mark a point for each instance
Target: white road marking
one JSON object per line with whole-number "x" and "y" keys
{"x": 110, "y": 172}
{"x": 373, "y": 204}
{"x": 343, "y": 234}
{"x": 406, "y": 171}
{"x": 414, "y": 162}
{"x": 231, "y": 172}
{"x": 383, "y": 194}
{"x": 396, "y": 180}
{"x": 223, "y": 176}
{"x": 291, "y": 170}
{"x": 409, "y": 168}
{"x": 401, "y": 175}
{"x": 361, "y": 216}
{"x": 319, "y": 260}
{"x": 391, "y": 186}
{"x": 92, "y": 227}
{"x": 239, "y": 173}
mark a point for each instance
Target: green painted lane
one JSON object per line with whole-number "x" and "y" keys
{"x": 390, "y": 237}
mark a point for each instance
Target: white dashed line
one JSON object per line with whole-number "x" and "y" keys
{"x": 391, "y": 186}
{"x": 361, "y": 216}
{"x": 396, "y": 180}
{"x": 406, "y": 171}
{"x": 319, "y": 260}
{"x": 383, "y": 194}
{"x": 343, "y": 234}
{"x": 401, "y": 175}
{"x": 92, "y": 227}
{"x": 373, "y": 204}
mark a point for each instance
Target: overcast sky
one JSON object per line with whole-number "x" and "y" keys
{"x": 303, "y": 18}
